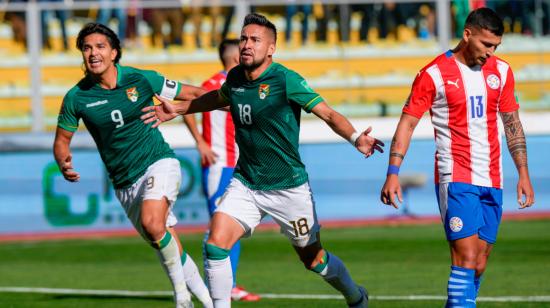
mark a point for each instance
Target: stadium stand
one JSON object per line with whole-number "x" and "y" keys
{"x": 360, "y": 78}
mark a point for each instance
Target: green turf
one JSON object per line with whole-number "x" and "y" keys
{"x": 403, "y": 260}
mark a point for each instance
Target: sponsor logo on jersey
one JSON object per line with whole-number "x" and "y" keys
{"x": 238, "y": 90}
{"x": 263, "y": 91}
{"x": 455, "y": 223}
{"x": 97, "y": 103}
{"x": 454, "y": 83}
{"x": 493, "y": 81}
{"x": 132, "y": 94}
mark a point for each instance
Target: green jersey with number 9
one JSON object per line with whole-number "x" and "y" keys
{"x": 126, "y": 145}
{"x": 266, "y": 112}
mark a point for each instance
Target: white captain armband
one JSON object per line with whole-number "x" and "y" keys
{"x": 169, "y": 89}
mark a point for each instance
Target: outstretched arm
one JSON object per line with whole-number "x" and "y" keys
{"x": 62, "y": 154}
{"x": 399, "y": 146}
{"x": 167, "y": 110}
{"x": 339, "y": 124}
{"x": 517, "y": 146}
{"x": 207, "y": 155}
{"x": 189, "y": 92}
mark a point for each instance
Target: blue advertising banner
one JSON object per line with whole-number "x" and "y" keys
{"x": 34, "y": 197}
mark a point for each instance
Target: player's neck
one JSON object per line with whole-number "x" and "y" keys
{"x": 107, "y": 79}
{"x": 460, "y": 54}
{"x": 254, "y": 73}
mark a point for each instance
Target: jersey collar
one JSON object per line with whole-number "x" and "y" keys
{"x": 118, "y": 74}
{"x": 264, "y": 73}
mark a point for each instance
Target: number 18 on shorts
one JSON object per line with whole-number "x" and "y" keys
{"x": 292, "y": 209}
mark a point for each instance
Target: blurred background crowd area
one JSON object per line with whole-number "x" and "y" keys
{"x": 360, "y": 55}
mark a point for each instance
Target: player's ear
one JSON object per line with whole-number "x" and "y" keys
{"x": 271, "y": 49}
{"x": 114, "y": 53}
{"x": 467, "y": 34}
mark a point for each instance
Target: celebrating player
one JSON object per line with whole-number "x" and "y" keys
{"x": 142, "y": 167}
{"x": 464, "y": 89}
{"x": 219, "y": 153}
{"x": 266, "y": 99}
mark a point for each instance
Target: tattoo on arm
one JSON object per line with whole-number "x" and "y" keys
{"x": 393, "y": 149}
{"x": 515, "y": 138}
{"x": 398, "y": 155}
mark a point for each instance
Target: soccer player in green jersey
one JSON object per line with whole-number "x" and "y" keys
{"x": 265, "y": 100}
{"x": 144, "y": 171}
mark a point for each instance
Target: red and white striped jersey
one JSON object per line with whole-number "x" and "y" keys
{"x": 218, "y": 129}
{"x": 463, "y": 103}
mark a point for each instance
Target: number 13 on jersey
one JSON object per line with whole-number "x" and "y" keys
{"x": 476, "y": 105}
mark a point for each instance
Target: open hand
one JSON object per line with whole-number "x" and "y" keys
{"x": 163, "y": 112}
{"x": 367, "y": 144}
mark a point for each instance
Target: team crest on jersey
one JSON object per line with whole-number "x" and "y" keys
{"x": 263, "y": 90}
{"x": 455, "y": 223}
{"x": 493, "y": 81}
{"x": 132, "y": 94}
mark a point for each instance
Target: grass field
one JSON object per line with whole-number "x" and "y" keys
{"x": 389, "y": 261}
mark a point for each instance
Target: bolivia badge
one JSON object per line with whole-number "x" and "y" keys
{"x": 263, "y": 91}
{"x": 132, "y": 94}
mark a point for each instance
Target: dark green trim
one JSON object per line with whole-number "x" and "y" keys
{"x": 216, "y": 253}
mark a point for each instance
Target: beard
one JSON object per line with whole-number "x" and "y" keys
{"x": 254, "y": 65}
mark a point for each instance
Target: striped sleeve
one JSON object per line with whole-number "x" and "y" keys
{"x": 422, "y": 95}
{"x": 507, "y": 102}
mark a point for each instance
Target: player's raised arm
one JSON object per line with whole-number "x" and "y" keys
{"x": 167, "y": 110}
{"x": 399, "y": 146}
{"x": 517, "y": 146}
{"x": 365, "y": 143}
{"x": 62, "y": 154}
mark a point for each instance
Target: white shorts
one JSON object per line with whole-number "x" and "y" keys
{"x": 292, "y": 209}
{"x": 162, "y": 179}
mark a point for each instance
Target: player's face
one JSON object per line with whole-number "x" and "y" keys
{"x": 97, "y": 53}
{"x": 256, "y": 47}
{"x": 481, "y": 45}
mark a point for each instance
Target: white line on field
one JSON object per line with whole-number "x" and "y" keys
{"x": 542, "y": 298}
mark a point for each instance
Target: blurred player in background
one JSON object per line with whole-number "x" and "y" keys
{"x": 266, "y": 100}
{"x": 144, "y": 171}
{"x": 219, "y": 153}
{"x": 464, "y": 89}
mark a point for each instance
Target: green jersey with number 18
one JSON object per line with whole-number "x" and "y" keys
{"x": 126, "y": 145}
{"x": 266, "y": 112}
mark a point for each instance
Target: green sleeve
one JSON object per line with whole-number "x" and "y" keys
{"x": 225, "y": 92}
{"x": 68, "y": 116}
{"x": 298, "y": 91}
{"x": 162, "y": 86}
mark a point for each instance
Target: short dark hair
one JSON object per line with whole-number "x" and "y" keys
{"x": 485, "y": 18}
{"x": 226, "y": 43}
{"x": 260, "y": 20}
{"x": 92, "y": 28}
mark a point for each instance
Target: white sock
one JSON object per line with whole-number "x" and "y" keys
{"x": 194, "y": 281}
{"x": 220, "y": 281}
{"x": 169, "y": 255}
{"x": 336, "y": 274}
